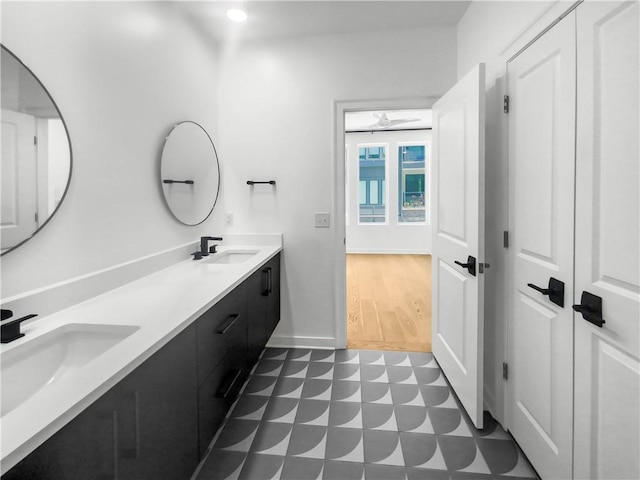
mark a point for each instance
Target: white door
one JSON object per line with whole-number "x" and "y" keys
{"x": 458, "y": 238}
{"x": 18, "y": 183}
{"x": 607, "y": 368}
{"x": 541, "y": 84}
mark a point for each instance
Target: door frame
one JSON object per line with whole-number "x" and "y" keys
{"x": 338, "y": 197}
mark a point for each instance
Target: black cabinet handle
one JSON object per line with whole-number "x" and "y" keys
{"x": 229, "y": 380}
{"x": 265, "y": 282}
{"x": 470, "y": 265}
{"x": 555, "y": 290}
{"x": 591, "y": 308}
{"x": 227, "y": 324}
{"x": 270, "y": 280}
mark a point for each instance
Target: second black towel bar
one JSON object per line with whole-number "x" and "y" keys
{"x": 188, "y": 182}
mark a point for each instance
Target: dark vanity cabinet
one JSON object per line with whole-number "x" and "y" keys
{"x": 158, "y": 422}
{"x": 145, "y": 427}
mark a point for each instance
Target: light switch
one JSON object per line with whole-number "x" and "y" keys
{"x": 322, "y": 220}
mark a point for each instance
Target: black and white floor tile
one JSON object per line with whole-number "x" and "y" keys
{"x": 356, "y": 414}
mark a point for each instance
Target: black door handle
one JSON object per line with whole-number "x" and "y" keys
{"x": 555, "y": 290}
{"x": 591, "y": 308}
{"x": 470, "y": 265}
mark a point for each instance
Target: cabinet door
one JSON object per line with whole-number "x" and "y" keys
{"x": 273, "y": 294}
{"x": 157, "y": 414}
{"x": 84, "y": 449}
{"x": 607, "y": 369}
{"x": 263, "y": 300}
{"x": 258, "y": 306}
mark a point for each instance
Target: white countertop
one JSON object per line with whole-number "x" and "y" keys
{"x": 161, "y": 304}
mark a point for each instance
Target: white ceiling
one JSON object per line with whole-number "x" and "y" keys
{"x": 296, "y": 18}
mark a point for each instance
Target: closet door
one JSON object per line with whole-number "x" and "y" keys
{"x": 607, "y": 370}
{"x": 542, "y": 83}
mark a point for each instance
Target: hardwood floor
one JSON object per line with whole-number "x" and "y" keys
{"x": 389, "y": 302}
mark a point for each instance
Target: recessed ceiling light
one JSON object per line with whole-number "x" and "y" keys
{"x": 237, "y": 15}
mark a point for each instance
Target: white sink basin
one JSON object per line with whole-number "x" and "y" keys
{"x": 231, "y": 256}
{"x": 46, "y": 359}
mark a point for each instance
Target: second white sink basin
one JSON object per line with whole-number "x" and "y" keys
{"x": 46, "y": 359}
{"x": 231, "y": 256}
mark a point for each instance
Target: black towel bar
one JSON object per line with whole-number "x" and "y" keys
{"x": 253, "y": 182}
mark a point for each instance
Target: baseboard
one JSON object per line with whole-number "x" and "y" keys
{"x": 380, "y": 251}
{"x": 322, "y": 343}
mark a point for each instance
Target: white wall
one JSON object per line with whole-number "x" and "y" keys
{"x": 491, "y": 32}
{"x": 121, "y": 73}
{"x": 277, "y": 109}
{"x": 391, "y": 237}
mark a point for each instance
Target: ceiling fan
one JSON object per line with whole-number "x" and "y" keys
{"x": 385, "y": 122}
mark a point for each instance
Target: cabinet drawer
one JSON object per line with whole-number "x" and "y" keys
{"x": 222, "y": 329}
{"x": 215, "y": 397}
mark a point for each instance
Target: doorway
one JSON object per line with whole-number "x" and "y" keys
{"x": 389, "y": 302}
{"x": 388, "y": 235}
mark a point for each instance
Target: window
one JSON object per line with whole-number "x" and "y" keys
{"x": 373, "y": 153}
{"x": 411, "y": 183}
{"x": 371, "y": 181}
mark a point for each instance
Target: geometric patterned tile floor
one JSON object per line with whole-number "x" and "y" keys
{"x": 356, "y": 414}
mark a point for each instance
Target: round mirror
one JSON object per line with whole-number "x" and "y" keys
{"x": 35, "y": 167}
{"x": 190, "y": 173}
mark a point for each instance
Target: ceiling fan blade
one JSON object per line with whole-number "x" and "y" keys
{"x": 400, "y": 121}
{"x": 384, "y": 122}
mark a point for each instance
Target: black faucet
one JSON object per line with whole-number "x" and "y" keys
{"x": 205, "y": 250}
{"x": 10, "y": 331}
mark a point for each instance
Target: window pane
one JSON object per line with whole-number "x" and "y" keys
{"x": 363, "y": 192}
{"x": 373, "y": 192}
{"x": 411, "y": 183}
{"x": 371, "y": 175}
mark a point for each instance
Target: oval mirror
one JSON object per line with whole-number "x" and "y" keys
{"x": 35, "y": 167}
{"x": 190, "y": 173}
